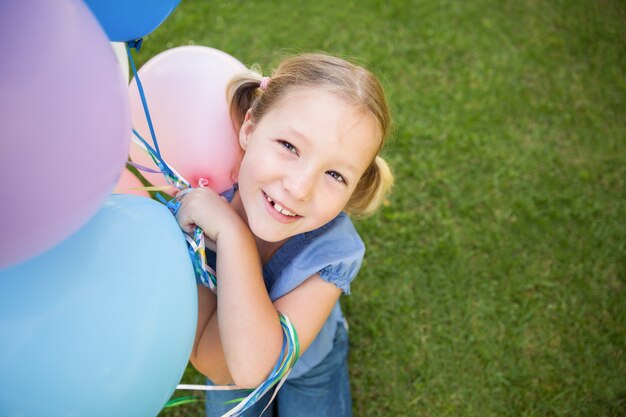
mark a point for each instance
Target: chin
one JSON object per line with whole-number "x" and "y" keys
{"x": 268, "y": 235}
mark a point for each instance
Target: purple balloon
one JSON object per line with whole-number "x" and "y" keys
{"x": 64, "y": 123}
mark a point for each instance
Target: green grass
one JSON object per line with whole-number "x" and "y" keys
{"x": 494, "y": 282}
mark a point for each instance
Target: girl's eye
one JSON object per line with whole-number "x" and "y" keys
{"x": 337, "y": 176}
{"x": 289, "y": 146}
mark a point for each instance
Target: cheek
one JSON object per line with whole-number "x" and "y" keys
{"x": 331, "y": 203}
{"x": 340, "y": 193}
{"x": 252, "y": 176}
{"x": 248, "y": 168}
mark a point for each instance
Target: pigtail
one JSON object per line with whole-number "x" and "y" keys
{"x": 241, "y": 92}
{"x": 373, "y": 188}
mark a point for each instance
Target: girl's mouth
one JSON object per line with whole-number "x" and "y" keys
{"x": 280, "y": 209}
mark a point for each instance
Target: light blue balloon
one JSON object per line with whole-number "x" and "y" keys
{"x": 102, "y": 324}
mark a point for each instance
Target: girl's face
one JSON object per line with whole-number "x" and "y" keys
{"x": 302, "y": 162}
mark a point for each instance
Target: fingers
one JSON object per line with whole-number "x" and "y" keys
{"x": 182, "y": 193}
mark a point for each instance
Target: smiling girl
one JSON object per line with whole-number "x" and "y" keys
{"x": 310, "y": 138}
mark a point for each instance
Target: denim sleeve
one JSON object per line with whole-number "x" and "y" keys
{"x": 342, "y": 272}
{"x": 335, "y": 252}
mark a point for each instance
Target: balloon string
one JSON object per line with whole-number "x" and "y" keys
{"x": 170, "y": 174}
{"x": 196, "y": 245}
{"x": 142, "y": 168}
{"x": 137, "y": 45}
{"x": 289, "y": 353}
{"x": 175, "y": 402}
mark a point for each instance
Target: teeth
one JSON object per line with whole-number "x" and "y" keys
{"x": 280, "y": 208}
{"x": 283, "y": 210}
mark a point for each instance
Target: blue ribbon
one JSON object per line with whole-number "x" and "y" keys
{"x": 136, "y": 44}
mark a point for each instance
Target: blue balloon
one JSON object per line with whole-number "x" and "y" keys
{"x": 128, "y": 20}
{"x": 102, "y": 324}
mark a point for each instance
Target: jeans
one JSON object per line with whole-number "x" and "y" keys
{"x": 323, "y": 391}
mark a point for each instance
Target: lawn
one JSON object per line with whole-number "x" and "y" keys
{"x": 494, "y": 281}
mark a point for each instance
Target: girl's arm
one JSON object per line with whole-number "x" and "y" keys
{"x": 308, "y": 306}
{"x": 242, "y": 338}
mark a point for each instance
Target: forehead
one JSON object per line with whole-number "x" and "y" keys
{"x": 321, "y": 114}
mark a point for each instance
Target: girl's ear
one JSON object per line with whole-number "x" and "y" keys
{"x": 246, "y": 130}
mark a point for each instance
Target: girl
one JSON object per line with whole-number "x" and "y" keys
{"x": 310, "y": 137}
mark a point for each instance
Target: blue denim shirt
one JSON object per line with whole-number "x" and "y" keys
{"x": 335, "y": 251}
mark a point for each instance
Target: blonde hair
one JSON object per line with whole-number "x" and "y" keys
{"x": 337, "y": 76}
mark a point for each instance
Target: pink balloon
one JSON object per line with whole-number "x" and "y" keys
{"x": 64, "y": 123}
{"x": 185, "y": 89}
{"x": 130, "y": 184}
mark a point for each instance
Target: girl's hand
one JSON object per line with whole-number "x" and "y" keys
{"x": 203, "y": 207}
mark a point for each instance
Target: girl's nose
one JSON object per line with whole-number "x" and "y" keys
{"x": 300, "y": 184}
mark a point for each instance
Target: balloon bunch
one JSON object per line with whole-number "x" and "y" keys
{"x": 98, "y": 301}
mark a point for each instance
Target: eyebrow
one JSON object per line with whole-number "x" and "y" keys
{"x": 348, "y": 166}
{"x": 296, "y": 132}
